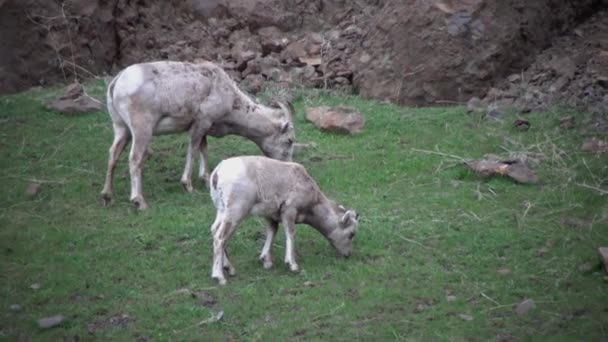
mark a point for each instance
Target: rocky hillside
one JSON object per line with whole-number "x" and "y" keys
{"x": 407, "y": 52}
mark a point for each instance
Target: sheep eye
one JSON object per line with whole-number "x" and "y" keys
{"x": 289, "y": 141}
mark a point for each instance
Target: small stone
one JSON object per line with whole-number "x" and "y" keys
{"x": 465, "y": 317}
{"x": 365, "y": 58}
{"x": 567, "y": 122}
{"x": 603, "y": 253}
{"x": 15, "y": 307}
{"x": 586, "y": 267}
{"x": 475, "y": 105}
{"x": 514, "y": 78}
{"x": 504, "y": 271}
{"x": 50, "y": 322}
{"x": 33, "y": 189}
{"x": 450, "y": 298}
{"x": 495, "y": 112}
{"x": 35, "y": 286}
{"x": 524, "y": 307}
{"x": 522, "y": 124}
{"x": 309, "y": 284}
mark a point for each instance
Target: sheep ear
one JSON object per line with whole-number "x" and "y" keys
{"x": 285, "y": 126}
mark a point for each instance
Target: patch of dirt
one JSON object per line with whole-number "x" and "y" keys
{"x": 116, "y": 321}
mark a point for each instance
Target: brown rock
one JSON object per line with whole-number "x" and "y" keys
{"x": 595, "y": 145}
{"x": 344, "y": 120}
{"x": 74, "y": 100}
{"x": 492, "y": 166}
{"x": 521, "y": 124}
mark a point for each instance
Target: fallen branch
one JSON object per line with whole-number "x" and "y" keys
{"x": 413, "y": 241}
{"x": 440, "y": 154}
{"x": 601, "y": 191}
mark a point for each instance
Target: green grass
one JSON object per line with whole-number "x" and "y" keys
{"x": 429, "y": 229}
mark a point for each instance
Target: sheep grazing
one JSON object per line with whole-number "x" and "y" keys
{"x": 280, "y": 192}
{"x": 172, "y": 97}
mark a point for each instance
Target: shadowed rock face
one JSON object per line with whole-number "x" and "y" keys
{"x": 415, "y": 52}
{"x": 434, "y": 51}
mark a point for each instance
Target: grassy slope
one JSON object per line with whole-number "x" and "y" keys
{"x": 429, "y": 229}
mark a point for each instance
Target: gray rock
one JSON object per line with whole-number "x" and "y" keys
{"x": 33, "y": 189}
{"x": 15, "y": 307}
{"x": 50, "y": 322}
{"x": 475, "y": 105}
{"x": 525, "y": 307}
{"x": 465, "y": 317}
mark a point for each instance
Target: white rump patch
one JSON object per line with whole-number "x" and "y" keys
{"x": 130, "y": 81}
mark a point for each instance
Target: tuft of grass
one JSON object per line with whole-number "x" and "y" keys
{"x": 437, "y": 246}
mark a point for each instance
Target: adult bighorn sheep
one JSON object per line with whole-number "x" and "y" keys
{"x": 171, "y": 97}
{"x": 281, "y": 192}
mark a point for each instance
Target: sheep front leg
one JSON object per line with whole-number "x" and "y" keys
{"x": 271, "y": 230}
{"x": 203, "y": 173}
{"x": 288, "y": 221}
{"x": 217, "y": 271}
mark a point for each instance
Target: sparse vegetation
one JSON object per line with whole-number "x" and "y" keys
{"x": 440, "y": 254}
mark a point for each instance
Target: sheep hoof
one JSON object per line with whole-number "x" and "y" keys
{"x": 231, "y": 270}
{"x": 267, "y": 262}
{"x": 293, "y": 267}
{"x": 140, "y": 204}
{"x": 221, "y": 281}
{"x": 187, "y": 186}
{"x": 106, "y": 199}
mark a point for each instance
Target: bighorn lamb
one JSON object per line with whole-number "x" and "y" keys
{"x": 281, "y": 192}
{"x": 171, "y": 97}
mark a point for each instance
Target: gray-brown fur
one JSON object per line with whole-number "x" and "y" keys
{"x": 280, "y": 192}
{"x": 172, "y": 97}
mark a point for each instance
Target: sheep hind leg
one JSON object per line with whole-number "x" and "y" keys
{"x": 220, "y": 260}
{"x": 121, "y": 138}
{"x": 139, "y": 152}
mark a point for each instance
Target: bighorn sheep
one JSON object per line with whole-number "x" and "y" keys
{"x": 171, "y": 97}
{"x": 281, "y": 192}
